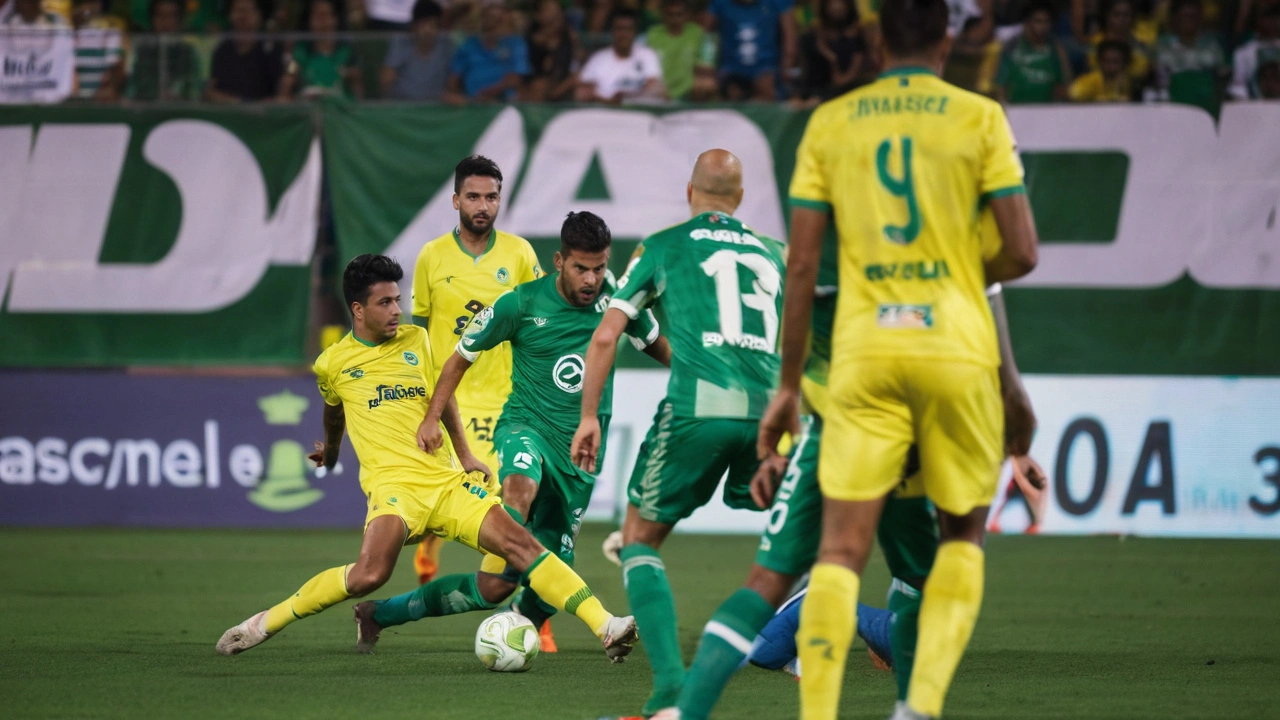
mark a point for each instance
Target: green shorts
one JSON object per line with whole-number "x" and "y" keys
{"x": 564, "y": 490}
{"x": 682, "y": 460}
{"x": 908, "y": 531}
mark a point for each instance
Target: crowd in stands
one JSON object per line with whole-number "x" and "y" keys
{"x": 1195, "y": 52}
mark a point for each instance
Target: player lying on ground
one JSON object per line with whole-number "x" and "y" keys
{"x": 907, "y": 532}
{"x": 548, "y": 323}
{"x": 376, "y": 381}
{"x": 723, "y": 368}
{"x": 915, "y": 358}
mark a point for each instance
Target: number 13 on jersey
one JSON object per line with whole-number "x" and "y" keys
{"x": 722, "y": 266}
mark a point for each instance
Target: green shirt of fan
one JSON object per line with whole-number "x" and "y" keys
{"x": 549, "y": 339}
{"x": 1029, "y": 73}
{"x": 715, "y": 284}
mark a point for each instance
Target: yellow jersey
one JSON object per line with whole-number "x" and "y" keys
{"x": 905, "y": 163}
{"x": 384, "y": 390}
{"x": 450, "y": 285}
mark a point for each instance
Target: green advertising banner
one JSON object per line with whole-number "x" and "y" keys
{"x": 1158, "y": 229}
{"x": 156, "y": 237}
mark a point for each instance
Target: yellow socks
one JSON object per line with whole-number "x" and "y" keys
{"x": 326, "y": 589}
{"x": 952, "y": 596}
{"x": 560, "y": 587}
{"x": 827, "y": 621}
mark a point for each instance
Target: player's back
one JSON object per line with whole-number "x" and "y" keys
{"x": 716, "y": 286}
{"x": 906, "y": 163}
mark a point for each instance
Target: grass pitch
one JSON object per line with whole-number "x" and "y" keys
{"x": 122, "y": 623}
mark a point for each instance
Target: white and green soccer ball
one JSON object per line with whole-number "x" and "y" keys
{"x": 507, "y": 642}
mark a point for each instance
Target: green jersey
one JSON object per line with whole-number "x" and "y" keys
{"x": 717, "y": 287}
{"x": 1030, "y": 73}
{"x": 549, "y": 340}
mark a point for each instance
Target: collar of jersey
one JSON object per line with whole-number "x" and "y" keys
{"x": 493, "y": 236}
{"x": 362, "y": 341}
{"x": 906, "y": 70}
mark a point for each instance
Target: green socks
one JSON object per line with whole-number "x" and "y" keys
{"x": 726, "y": 641}
{"x": 448, "y": 595}
{"x": 904, "y": 603}
{"x": 655, "y": 610}
{"x": 533, "y": 607}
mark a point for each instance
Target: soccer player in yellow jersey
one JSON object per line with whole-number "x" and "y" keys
{"x": 903, "y": 164}
{"x": 376, "y": 381}
{"x": 456, "y": 276}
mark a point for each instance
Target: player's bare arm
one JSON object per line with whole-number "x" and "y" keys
{"x": 600, "y": 356}
{"x": 430, "y": 437}
{"x": 335, "y": 424}
{"x": 1019, "y": 250}
{"x": 805, "y": 251}
{"x": 660, "y": 350}
{"x": 1019, "y": 418}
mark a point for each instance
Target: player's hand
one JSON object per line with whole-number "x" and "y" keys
{"x": 1019, "y": 421}
{"x": 782, "y": 416}
{"x": 470, "y": 463}
{"x": 1026, "y": 469}
{"x": 430, "y": 436}
{"x": 764, "y": 484}
{"x": 586, "y": 444}
{"x": 324, "y": 456}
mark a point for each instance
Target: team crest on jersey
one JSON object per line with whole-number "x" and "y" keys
{"x": 503, "y": 276}
{"x": 569, "y": 372}
{"x": 410, "y": 358}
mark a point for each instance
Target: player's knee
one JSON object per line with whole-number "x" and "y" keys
{"x": 364, "y": 579}
{"x": 773, "y": 586}
{"x": 494, "y": 589}
{"x": 518, "y": 492}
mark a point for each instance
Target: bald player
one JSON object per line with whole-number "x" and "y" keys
{"x": 719, "y": 283}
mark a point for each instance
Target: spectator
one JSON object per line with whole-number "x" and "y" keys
{"x": 244, "y": 68}
{"x": 1189, "y": 62}
{"x": 99, "y": 52}
{"x": 555, "y": 54}
{"x": 1269, "y": 81}
{"x": 832, "y": 53}
{"x": 1033, "y": 66}
{"x": 679, "y": 44}
{"x": 1118, "y": 27}
{"x": 750, "y": 56}
{"x": 172, "y": 77}
{"x": 624, "y": 70}
{"x": 490, "y": 66}
{"x": 38, "y": 53}
{"x": 417, "y": 67}
{"x": 1111, "y": 82}
{"x": 1250, "y": 57}
{"x": 325, "y": 65}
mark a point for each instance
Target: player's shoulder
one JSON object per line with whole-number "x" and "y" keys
{"x": 671, "y": 233}
{"x": 968, "y": 100}
{"x": 410, "y": 333}
{"x": 434, "y": 247}
{"x": 333, "y": 353}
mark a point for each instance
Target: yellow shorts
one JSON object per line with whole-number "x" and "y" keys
{"x": 878, "y": 407}
{"x": 452, "y": 509}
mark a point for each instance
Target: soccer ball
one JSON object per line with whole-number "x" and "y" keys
{"x": 507, "y": 642}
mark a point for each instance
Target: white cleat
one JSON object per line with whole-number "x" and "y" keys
{"x": 901, "y": 711}
{"x": 620, "y": 637}
{"x": 612, "y": 548}
{"x": 793, "y": 668}
{"x": 250, "y": 633}
{"x": 671, "y": 713}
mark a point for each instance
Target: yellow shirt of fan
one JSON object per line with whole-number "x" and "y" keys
{"x": 384, "y": 390}
{"x": 904, "y": 164}
{"x": 450, "y": 285}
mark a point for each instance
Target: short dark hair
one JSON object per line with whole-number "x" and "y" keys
{"x": 426, "y": 10}
{"x": 1119, "y": 46}
{"x": 911, "y": 27}
{"x": 624, "y": 13}
{"x": 365, "y": 271}
{"x": 151, "y": 7}
{"x": 585, "y": 232}
{"x": 1037, "y": 7}
{"x": 475, "y": 166}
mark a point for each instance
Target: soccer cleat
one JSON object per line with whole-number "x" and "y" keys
{"x": 793, "y": 668}
{"x": 902, "y": 711}
{"x": 613, "y": 547}
{"x": 546, "y": 638}
{"x": 250, "y": 633}
{"x": 671, "y": 713}
{"x": 367, "y": 631}
{"x": 620, "y": 636}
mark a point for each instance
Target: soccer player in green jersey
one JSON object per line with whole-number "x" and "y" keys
{"x": 549, "y": 323}
{"x": 717, "y": 285}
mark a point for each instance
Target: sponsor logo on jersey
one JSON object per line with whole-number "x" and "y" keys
{"x": 355, "y": 373}
{"x": 539, "y": 321}
{"x": 926, "y": 270}
{"x": 569, "y": 372}
{"x": 388, "y": 393}
{"x": 410, "y": 358}
{"x": 746, "y": 341}
{"x": 898, "y": 317}
{"x": 523, "y": 460}
{"x": 503, "y": 276}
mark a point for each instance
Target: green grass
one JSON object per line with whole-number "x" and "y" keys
{"x": 121, "y": 624}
